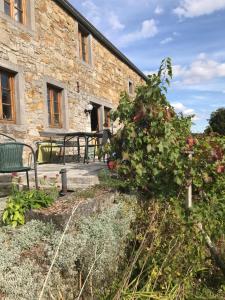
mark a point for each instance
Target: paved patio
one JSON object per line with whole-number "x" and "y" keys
{"x": 79, "y": 175}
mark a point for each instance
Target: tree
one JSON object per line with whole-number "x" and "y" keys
{"x": 217, "y": 121}
{"x": 150, "y": 145}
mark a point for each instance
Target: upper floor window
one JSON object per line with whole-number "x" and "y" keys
{"x": 130, "y": 87}
{"x": 15, "y": 9}
{"x": 107, "y": 120}
{"x": 54, "y": 106}
{"x": 84, "y": 47}
{"x": 7, "y": 96}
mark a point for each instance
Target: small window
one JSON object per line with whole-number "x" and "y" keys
{"x": 15, "y": 9}
{"x": 7, "y": 7}
{"x": 7, "y": 102}
{"x": 83, "y": 44}
{"x": 107, "y": 120}
{"x": 54, "y": 106}
{"x": 130, "y": 87}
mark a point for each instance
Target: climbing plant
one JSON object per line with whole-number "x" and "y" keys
{"x": 151, "y": 148}
{"x": 150, "y": 145}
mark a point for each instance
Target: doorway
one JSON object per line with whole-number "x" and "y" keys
{"x": 95, "y": 117}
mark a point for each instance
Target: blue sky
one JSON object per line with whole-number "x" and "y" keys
{"x": 191, "y": 32}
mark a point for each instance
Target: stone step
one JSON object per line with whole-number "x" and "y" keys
{"x": 5, "y": 188}
{"x": 5, "y": 178}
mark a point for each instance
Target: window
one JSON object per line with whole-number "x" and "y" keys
{"x": 95, "y": 117}
{"x": 7, "y": 96}
{"x": 107, "y": 117}
{"x": 83, "y": 44}
{"x": 130, "y": 87}
{"x": 15, "y": 9}
{"x": 54, "y": 106}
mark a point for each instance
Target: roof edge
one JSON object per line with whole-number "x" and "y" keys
{"x": 99, "y": 36}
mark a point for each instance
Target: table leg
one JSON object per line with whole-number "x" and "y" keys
{"x": 86, "y": 150}
{"x": 78, "y": 148}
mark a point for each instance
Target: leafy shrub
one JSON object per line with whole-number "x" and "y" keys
{"x": 153, "y": 144}
{"x": 111, "y": 180}
{"x": 217, "y": 121}
{"x": 153, "y": 150}
{"x": 21, "y": 201}
{"x": 149, "y": 147}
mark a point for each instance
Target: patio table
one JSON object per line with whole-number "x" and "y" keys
{"x": 67, "y": 136}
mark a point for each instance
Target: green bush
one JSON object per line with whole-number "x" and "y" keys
{"x": 21, "y": 201}
{"x": 153, "y": 149}
{"x": 153, "y": 143}
{"x": 217, "y": 121}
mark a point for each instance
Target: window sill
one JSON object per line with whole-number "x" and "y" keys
{"x": 8, "y": 122}
{"x": 85, "y": 64}
{"x": 54, "y": 130}
{"x": 24, "y": 27}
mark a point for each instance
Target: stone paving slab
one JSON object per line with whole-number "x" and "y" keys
{"x": 79, "y": 175}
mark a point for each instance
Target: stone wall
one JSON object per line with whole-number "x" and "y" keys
{"x": 47, "y": 52}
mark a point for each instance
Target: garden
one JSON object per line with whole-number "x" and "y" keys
{"x": 162, "y": 237}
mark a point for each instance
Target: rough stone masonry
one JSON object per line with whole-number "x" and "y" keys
{"x": 45, "y": 50}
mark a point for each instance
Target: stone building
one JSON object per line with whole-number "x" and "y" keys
{"x": 53, "y": 63}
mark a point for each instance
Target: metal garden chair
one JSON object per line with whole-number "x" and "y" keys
{"x": 106, "y": 136}
{"x": 11, "y": 160}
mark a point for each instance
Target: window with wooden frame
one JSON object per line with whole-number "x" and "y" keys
{"x": 83, "y": 44}
{"x": 130, "y": 87}
{"x": 16, "y": 9}
{"x": 107, "y": 121}
{"x": 7, "y": 96}
{"x": 54, "y": 106}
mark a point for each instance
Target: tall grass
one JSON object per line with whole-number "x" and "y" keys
{"x": 168, "y": 260}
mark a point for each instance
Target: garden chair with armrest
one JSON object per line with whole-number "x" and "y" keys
{"x": 106, "y": 136}
{"x": 11, "y": 160}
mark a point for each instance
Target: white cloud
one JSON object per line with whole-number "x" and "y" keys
{"x": 202, "y": 70}
{"x": 169, "y": 39}
{"x": 180, "y": 107}
{"x": 166, "y": 40}
{"x": 199, "y": 97}
{"x": 93, "y": 12}
{"x": 115, "y": 22}
{"x": 159, "y": 10}
{"x": 148, "y": 29}
{"x": 196, "y": 8}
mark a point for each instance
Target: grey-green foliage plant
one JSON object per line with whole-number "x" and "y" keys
{"x": 27, "y": 252}
{"x": 20, "y": 275}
